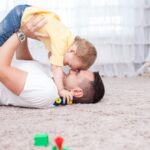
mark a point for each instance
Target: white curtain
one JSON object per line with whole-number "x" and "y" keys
{"x": 120, "y": 30}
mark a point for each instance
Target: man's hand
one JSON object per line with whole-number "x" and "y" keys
{"x": 66, "y": 95}
{"x": 30, "y": 29}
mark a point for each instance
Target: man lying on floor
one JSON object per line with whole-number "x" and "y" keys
{"x": 30, "y": 83}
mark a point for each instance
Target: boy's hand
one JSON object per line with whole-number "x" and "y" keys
{"x": 30, "y": 29}
{"x": 66, "y": 95}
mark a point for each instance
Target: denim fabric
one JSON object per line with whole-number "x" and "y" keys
{"x": 11, "y": 23}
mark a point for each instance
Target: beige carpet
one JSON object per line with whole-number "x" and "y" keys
{"x": 120, "y": 122}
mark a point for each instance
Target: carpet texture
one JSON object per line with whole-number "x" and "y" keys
{"x": 120, "y": 122}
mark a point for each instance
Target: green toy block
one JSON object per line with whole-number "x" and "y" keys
{"x": 54, "y": 148}
{"x": 65, "y": 148}
{"x": 41, "y": 140}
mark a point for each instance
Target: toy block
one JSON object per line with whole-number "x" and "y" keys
{"x": 59, "y": 142}
{"x": 70, "y": 102}
{"x": 41, "y": 140}
{"x": 65, "y": 148}
{"x": 60, "y": 101}
{"x": 54, "y": 148}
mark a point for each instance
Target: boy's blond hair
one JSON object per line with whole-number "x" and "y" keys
{"x": 86, "y": 51}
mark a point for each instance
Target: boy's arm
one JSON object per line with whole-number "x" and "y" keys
{"x": 23, "y": 52}
{"x": 58, "y": 78}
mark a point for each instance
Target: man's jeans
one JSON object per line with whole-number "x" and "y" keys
{"x": 11, "y": 23}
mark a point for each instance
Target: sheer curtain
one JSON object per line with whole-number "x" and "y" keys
{"x": 120, "y": 30}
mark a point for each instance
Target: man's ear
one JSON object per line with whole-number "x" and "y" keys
{"x": 77, "y": 92}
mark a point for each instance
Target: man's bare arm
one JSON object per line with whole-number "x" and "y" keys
{"x": 13, "y": 78}
{"x": 23, "y": 52}
{"x": 30, "y": 29}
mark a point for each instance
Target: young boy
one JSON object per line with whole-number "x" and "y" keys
{"x": 63, "y": 47}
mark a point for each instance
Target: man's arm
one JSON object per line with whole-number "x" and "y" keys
{"x": 30, "y": 29}
{"x": 23, "y": 52}
{"x": 14, "y": 79}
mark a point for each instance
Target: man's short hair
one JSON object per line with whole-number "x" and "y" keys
{"x": 98, "y": 88}
{"x": 93, "y": 90}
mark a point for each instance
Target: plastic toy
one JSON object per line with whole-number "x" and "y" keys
{"x": 60, "y": 101}
{"x": 41, "y": 140}
{"x": 54, "y": 148}
{"x": 59, "y": 142}
{"x": 65, "y": 148}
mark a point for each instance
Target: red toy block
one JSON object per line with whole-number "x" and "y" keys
{"x": 59, "y": 142}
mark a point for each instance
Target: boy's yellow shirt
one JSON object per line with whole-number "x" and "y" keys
{"x": 60, "y": 36}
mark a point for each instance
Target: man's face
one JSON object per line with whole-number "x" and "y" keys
{"x": 74, "y": 79}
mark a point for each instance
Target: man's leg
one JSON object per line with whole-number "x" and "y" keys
{"x": 11, "y": 23}
{"x": 13, "y": 78}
